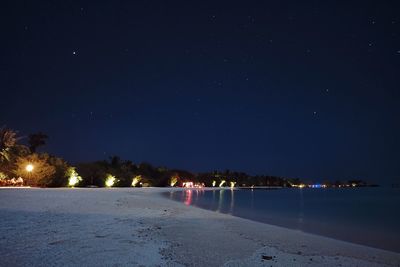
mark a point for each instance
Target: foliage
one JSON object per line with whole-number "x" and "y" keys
{"x": 93, "y": 173}
{"x": 51, "y": 171}
{"x": 61, "y": 167}
{"x": 174, "y": 180}
{"x": 136, "y": 180}
{"x": 110, "y": 180}
{"x": 36, "y": 140}
{"x": 215, "y": 178}
{"x": 3, "y": 176}
{"x": 8, "y": 166}
{"x": 8, "y": 139}
{"x": 42, "y": 172}
{"x": 73, "y": 177}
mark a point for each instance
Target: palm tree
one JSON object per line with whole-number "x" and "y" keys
{"x": 36, "y": 140}
{"x": 8, "y": 140}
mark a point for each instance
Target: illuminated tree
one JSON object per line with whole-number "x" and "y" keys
{"x": 34, "y": 169}
{"x": 3, "y": 176}
{"x": 136, "y": 180}
{"x": 174, "y": 180}
{"x": 73, "y": 176}
{"x": 110, "y": 180}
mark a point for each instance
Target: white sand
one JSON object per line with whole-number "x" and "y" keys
{"x": 139, "y": 227}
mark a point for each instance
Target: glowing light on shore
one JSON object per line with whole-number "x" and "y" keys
{"x": 214, "y": 183}
{"x": 174, "y": 180}
{"x": 192, "y": 185}
{"x": 72, "y": 181}
{"x": 317, "y": 186}
{"x": 29, "y": 168}
{"x": 136, "y": 180}
{"x": 221, "y": 184}
{"x": 187, "y": 184}
{"x": 110, "y": 180}
{"x": 298, "y": 185}
{"x": 73, "y": 177}
{"x": 233, "y": 184}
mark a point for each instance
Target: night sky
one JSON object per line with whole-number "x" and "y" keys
{"x": 306, "y": 89}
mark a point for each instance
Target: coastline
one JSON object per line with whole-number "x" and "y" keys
{"x": 340, "y": 214}
{"x": 139, "y": 226}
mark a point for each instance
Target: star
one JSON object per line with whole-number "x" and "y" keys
{"x": 74, "y": 53}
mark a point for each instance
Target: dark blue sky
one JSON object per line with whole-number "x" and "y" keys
{"x": 305, "y": 89}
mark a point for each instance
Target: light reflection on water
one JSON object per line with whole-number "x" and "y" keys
{"x": 221, "y": 200}
{"x": 188, "y": 197}
{"x": 367, "y": 215}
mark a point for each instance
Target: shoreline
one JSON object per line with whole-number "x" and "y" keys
{"x": 140, "y": 226}
{"x": 351, "y": 234}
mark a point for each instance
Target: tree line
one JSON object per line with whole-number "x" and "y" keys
{"x": 23, "y": 161}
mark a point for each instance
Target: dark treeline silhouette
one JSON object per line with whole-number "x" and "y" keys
{"x": 95, "y": 173}
{"x": 36, "y": 140}
{"x": 23, "y": 164}
{"x": 23, "y": 161}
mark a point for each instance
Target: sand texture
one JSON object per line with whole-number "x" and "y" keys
{"x": 140, "y": 227}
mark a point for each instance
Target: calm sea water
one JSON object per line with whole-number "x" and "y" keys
{"x": 368, "y": 216}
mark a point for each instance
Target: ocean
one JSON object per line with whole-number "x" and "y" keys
{"x": 367, "y": 216}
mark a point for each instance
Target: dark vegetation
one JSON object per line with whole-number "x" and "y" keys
{"x": 51, "y": 171}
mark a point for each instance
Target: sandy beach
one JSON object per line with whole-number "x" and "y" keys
{"x": 140, "y": 227}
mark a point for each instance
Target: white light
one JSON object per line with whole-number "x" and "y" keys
{"x": 73, "y": 180}
{"x": 29, "y": 168}
{"x": 110, "y": 180}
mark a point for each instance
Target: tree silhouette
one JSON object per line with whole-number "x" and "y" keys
{"x": 36, "y": 140}
{"x": 8, "y": 140}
